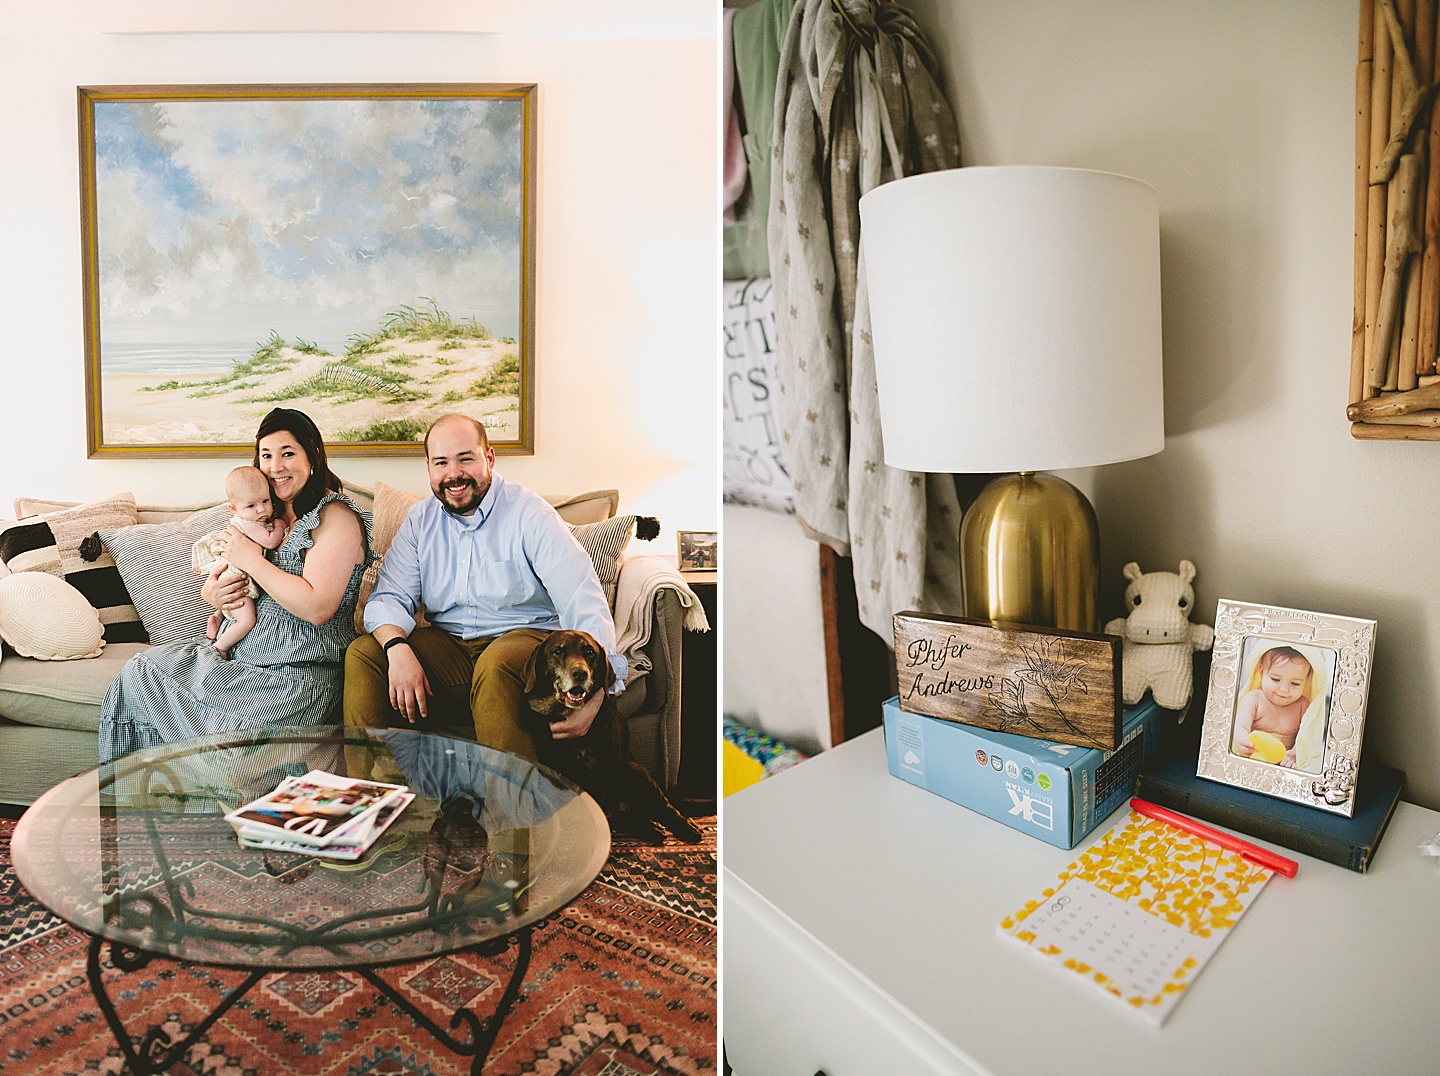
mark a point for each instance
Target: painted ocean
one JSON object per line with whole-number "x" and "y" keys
{"x": 170, "y": 360}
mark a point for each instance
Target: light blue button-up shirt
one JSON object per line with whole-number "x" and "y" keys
{"x": 512, "y": 563}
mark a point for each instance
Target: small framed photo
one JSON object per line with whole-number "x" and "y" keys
{"x": 1286, "y": 710}
{"x": 698, "y": 550}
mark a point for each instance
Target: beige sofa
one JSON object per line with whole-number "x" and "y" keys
{"x": 50, "y": 710}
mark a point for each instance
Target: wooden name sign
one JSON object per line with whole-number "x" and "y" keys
{"x": 1043, "y": 682}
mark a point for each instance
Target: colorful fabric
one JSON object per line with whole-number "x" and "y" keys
{"x": 622, "y": 980}
{"x": 772, "y": 754}
{"x": 738, "y": 769}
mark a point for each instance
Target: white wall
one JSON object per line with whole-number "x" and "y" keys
{"x": 1241, "y": 114}
{"x": 774, "y": 675}
{"x": 627, "y": 311}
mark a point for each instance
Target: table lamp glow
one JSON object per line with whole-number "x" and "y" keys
{"x": 1016, "y": 324}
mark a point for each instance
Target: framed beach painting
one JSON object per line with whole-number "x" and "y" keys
{"x": 365, "y": 253}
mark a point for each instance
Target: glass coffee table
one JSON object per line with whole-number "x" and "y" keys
{"x": 136, "y": 854}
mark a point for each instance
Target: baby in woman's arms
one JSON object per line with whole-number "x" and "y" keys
{"x": 248, "y": 492}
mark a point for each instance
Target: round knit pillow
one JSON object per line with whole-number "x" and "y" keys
{"x": 42, "y": 616}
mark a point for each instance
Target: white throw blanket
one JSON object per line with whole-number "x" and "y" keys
{"x": 641, "y": 578}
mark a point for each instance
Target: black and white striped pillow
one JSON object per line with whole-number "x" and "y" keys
{"x": 606, "y": 541}
{"x": 154, "y": 561}
{"x": 51, "y": 543}
{"x": 30, "y": 547}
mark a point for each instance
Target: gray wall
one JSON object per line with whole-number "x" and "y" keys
{"x": 1241, "y": 114}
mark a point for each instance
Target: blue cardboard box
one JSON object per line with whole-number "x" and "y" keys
{"x": 1055, "y": 791}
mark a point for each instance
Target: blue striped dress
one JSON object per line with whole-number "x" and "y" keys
{"x": 284, "y": 672}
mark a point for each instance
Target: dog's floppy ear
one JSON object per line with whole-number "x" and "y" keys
{"x": 609, "y": 670}
{"x": 532, "y": 667}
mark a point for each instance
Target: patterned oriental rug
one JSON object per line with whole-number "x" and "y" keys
{"x": 622, "y": 982}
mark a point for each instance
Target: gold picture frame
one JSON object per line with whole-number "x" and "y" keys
{"x": 364, "y": 252}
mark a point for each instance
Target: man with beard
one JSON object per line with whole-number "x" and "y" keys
{"x": 496, "y": 569}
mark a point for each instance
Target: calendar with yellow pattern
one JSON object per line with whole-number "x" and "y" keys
{"x": 1140, "y": 912}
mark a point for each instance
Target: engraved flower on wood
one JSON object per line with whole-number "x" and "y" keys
{"x": 1051, "y": 669}
{"x": 1054, "y": 672}
{"x": 1007, "y": 706}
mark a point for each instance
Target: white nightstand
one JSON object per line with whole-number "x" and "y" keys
{"x": 859, "y": 928}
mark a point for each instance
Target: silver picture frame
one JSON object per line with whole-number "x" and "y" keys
{"x": 1329, "y": 657}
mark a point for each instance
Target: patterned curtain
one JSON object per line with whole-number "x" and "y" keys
{"x": 857, "y": 103}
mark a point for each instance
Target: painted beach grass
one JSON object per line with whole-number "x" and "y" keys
{"x": 388, "y": 384}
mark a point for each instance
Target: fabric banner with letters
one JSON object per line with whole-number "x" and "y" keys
{"x": 755, "y": 471}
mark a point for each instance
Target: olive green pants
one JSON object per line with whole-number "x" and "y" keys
{"x": 476, "y": 686}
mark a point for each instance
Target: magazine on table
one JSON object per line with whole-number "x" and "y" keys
{"x": 316, "y": 810}
{"x": 352, "y": 846}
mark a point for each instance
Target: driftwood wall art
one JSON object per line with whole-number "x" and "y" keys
{"x": 1394, "y": 387}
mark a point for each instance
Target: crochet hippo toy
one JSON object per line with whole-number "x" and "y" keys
{"x": 1159, "y": 637}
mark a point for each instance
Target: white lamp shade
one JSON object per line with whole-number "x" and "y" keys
{"x": 1016, "y": 318}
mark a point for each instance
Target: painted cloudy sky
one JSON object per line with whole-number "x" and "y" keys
{"x": 227, "y": 219}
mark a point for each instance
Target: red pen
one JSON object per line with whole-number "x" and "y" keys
{"x": 1259, "y": 856}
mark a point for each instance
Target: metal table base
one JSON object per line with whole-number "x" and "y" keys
{"x": 156, "y": 1054}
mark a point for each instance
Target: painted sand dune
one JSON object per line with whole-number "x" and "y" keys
{"x": 389, "y": 385}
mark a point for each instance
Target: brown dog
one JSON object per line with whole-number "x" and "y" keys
{"x": 565, "y": 670}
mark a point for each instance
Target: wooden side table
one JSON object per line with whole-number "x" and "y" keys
{"x": 699, "y": 698}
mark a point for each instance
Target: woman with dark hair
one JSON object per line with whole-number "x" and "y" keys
{"x": 287, "y": 670}
{"x": 297, "y": 424}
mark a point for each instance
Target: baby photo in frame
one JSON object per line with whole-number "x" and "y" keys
{"x": 1286, "y": 708}
{"x": 1283, "y": 705}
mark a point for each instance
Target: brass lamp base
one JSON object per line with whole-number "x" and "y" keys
{"x": 1029, "y": 553}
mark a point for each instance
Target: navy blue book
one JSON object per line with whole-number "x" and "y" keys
{"x": 1350, "y": 842}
